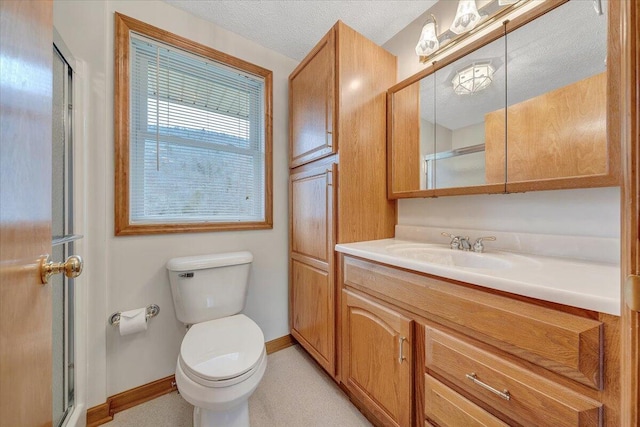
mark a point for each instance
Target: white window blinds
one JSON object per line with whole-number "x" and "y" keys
{"x": 197, "y": 138}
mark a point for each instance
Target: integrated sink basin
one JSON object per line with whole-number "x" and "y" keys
{"x": 588, "y": 285}
{"x": 442, "y": 255}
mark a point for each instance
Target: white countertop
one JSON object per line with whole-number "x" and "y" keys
{"x": 584, "y": 284}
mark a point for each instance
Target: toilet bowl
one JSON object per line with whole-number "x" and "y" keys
{"x": 220, "y": 365}
{"x": 222, "y": 356}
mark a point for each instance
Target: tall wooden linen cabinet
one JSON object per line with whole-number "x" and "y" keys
{"x": 337, "y": 184}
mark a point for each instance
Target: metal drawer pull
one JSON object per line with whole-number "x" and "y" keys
{"x": 401, "y": 353}
{"x": 503, "y": 394}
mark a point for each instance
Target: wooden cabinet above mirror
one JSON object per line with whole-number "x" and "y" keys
{"x": 548, "y": 67}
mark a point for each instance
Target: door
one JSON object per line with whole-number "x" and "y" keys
{"x": 377, "y": 358}
{"x": 25, "y": 212}
{"x": 312, "y": 291}
{"x": 311, "y": 100}
{"x": 630, "y": 209}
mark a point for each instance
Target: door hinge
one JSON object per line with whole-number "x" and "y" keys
{"x": 632, "y": 292}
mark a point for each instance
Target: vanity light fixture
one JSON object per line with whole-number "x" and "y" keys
{"x": 428, "y": 42}
{"x": 467, "y": 17}
{"x": 474, "y": 78}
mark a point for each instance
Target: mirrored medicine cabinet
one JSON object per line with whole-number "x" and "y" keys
{"x": 527, "y": 106}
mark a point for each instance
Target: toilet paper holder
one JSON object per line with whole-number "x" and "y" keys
{"x": 152, "y": 311}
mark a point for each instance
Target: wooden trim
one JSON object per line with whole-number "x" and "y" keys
{"x": 124, "y": 25}
{"x": 280, "y": 343}
{"x": 476, "y": 189}
{"x": 121, "y": 109}
{"x": 136, "y": 230}
{"x": 135, "y": 396}
{"x": 99, "y": 415}
{"x": 629, "y": 62}
{"x": 127, "y": 399}
{"x": 419, "y": 353}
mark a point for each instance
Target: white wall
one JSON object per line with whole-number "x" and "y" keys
{"x": 128, "y": 272}
{"x": 585, "y": 212}
{"x": 589, "y": 212}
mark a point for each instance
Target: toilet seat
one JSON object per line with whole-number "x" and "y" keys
{"x": 222, "y": 352}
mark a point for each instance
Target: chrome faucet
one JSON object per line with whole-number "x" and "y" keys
{"x": 455, "y": 240}
{"x": 463, "y": 243}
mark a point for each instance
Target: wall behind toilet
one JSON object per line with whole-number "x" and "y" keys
{"x": 128, "y": 272}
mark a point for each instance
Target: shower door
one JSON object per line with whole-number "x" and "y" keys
{"x": 63, "y": 237}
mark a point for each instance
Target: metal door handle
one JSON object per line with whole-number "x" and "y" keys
{"x": 71, "y": 268}
{"x": 401, "y": 352}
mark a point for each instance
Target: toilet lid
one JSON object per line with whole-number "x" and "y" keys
{"x": 223, "y": 348}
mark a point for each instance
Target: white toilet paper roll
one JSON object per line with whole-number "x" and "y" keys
{"x": 133, "y": 321}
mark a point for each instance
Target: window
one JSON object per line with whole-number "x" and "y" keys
{"x": 193, "y": 135}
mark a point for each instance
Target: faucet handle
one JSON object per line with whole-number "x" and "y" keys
{"x": 478, "y": 246}
{"x": 455, "y": 240}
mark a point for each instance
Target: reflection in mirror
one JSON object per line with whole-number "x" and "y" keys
{"x": 557, "y": 95}
{"x": 467, "y": 90}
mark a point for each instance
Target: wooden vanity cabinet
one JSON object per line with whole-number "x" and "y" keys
{"x": 377, "y": 363}
{"x": 483, "y": 357}
{"x": 337, "y": 185}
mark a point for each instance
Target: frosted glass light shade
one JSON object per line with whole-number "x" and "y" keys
{"x": 472, "y": 79}
{"x": 428, "y": 42}
{"x": 467, "y": 17}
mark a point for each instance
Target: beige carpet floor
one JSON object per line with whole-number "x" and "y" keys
{"x": 294, "y": 392}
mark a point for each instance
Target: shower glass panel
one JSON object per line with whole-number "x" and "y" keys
{"x": 62, "y": 288}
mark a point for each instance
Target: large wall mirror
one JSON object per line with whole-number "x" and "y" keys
{"x": 522, "y": 108}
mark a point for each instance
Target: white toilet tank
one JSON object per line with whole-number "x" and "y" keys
{"x": 209, "y": 287}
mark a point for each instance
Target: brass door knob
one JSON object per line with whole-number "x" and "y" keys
{"x": 72, "y": 267}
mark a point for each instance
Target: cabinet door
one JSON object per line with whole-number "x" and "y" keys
{"x": 311, "y": 101}
{"x": 312, "y": 283}
{"x": 377, "y": 358}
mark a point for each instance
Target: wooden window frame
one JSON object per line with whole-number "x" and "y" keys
{"x": 124, "y": 25}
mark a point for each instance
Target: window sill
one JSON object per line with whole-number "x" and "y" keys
{"x": 141, "y": 229}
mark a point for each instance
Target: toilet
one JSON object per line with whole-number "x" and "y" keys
{"x": 222, "y": 357}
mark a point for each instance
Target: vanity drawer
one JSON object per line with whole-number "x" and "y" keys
{"x": 564, "y": 343}
{"x": 448, "y": 408}
{"x": 521, "y": 395}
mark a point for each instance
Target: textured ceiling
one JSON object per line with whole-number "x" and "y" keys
{"x": 292, "y": 28}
